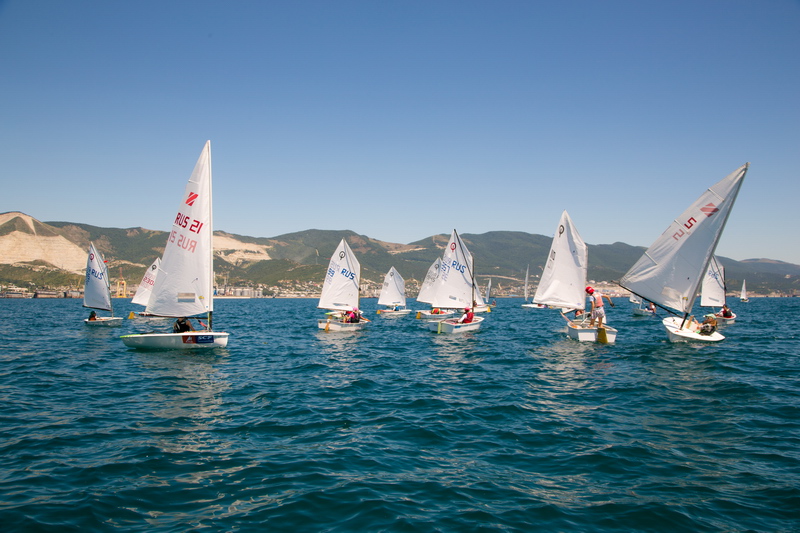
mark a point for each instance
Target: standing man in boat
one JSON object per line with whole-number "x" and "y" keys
{"x": 598, "y": 311}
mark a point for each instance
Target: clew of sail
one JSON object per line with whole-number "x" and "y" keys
{"x": 393, "y": 291}
{"x": 96, "y": 290}
{"x": 340, "y": 288}
{"x": 184, "y": 284}
{"x": 564, "y": 277}
{"x": 670, "y": 271}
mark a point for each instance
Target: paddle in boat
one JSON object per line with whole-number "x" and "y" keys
{"x": 563, "y": 284}
{"x": 455, "y": 289}
{"x": 670, "y": 272}
{"x": 97, "y": 291}
{"x": 340, "y": 292}
{"x": 712, "y": 293}
{"x": 743, "y": 295}
{"x": 426, "y": 294}
{"x": 184, "y": 286}
{"x": 393, "y": 295}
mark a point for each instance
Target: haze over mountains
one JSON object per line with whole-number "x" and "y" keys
{"x": 45, "y": 252}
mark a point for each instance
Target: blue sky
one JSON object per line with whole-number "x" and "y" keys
{"x": 403, "y": 119}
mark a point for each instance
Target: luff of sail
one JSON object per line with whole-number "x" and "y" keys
{"x": 340, "y": 288}
{"x": 671, "y": 270}
{"x": 96, "y": 292}
{"x": 184, "y": 284}
{"x": 564, "y": 276}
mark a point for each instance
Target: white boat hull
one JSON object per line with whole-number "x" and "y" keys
{"x": 190, "y": 340}
{"x": 638, "y": 311}
{"x": 677, "y": 334}
{"x": 535, "y": 306}
{"x": 451, "y": 325}
{"x": 104, "y": 322}
{"x": 581, "y": 332}
{"x": 327, "y": 324}
{"x": 723, "y": 321}
{"x": 427, "y": 315}
{"x": 389, "y": 313}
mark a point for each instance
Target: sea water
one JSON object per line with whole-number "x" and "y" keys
{"x": 396, "y": 428}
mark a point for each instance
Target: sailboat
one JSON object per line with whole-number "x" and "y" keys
{"x": 527, "y": 304}
{"x": 393, "y": 295}
{"x": 426, "y": 292}
{"x": 743, "y": 295}
{"x": 712, "y": 291}
{"x": 145, "y": 288}
{"x": 640, "y": 309}
{"x": 563, "y": 281}
{"x": 671, "y": 270}
{"x": 455, "y": 287}
{"x": 340, "y": 291}
{"x": 184, "y": 286}
{"x": 97, "y": 290}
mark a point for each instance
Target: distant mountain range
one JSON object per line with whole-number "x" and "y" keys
{"x": 54, "y": 254}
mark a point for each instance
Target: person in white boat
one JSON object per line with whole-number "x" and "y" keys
{"x": 181, "y": 325}
{"x": 598, "y": 311}
{"x": 467, "y": 317}
{"x": 725, "y": 312}
{"x": 92, "y": 316}
{"x": 652, "y": 307}
{"x": 708, "y": 326}
{"x": 353, "y": 316}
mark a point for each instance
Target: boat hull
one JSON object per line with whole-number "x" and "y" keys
{"x": 451, "y": 325}
{"x": 676, "y": 333}
{"x": 724, "y": 321}
{"x": 190, "y": 340}
{"x": 427, "y": 315}
{"x": 327, "y": 324}
{"x": 389, "y": 313}
{"x": 534, "y": 306}
{"x": 104, "y": 322}
{"x": 638, "y": 311}
{"x": 583, "y": 333}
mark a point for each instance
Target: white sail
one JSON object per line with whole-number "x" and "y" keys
{"x": 96, "y": 288}
{"x": 564, "y": 277}
{"x": 145, "y": 289}
{"x": 670, "y": 271}
{"x": 340, "y": 289}
{"x": 527, "y": 272}
{"x": 426, "y": 290}
{"x": 743, "y": 294}
{"x": 455, "y": 286}
{"x": 712, "y": 290}
{"x": 184, "y": 285}
{"x": 488, "y": 290}
{"x": 393, "y": 291}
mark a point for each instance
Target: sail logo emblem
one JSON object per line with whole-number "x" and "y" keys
{"x": 709, "y": 209}
{"x": 192, "y": 197}
{"x": 453, "y": 246}
{"x": 341, "y": 255}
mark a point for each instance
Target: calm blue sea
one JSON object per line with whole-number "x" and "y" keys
{"x": 512, "y": 428}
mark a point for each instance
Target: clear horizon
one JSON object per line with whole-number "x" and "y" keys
{"x": 403, "y": 120}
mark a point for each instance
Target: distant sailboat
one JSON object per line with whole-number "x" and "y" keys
{"x": 743, "y": 295}
{"x": 426, "y": 292}
{"x": 455, "y": 287}
{"x": 393, "y": 295}
{"x": 671, "y": 270}
{"x": 712, "y": 291}
{"x": 528, "y": 304}
{"x": 564, "y": 280}
{"x": 97, "y": 291}
{"x": 145, "y": 289}
{"x": 340, "y": 292}
{"x": 184, "y": 286}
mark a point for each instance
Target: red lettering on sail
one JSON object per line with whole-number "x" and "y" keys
{"x": 678, "y": 234}
{"x": 690, "y": 223}
{"x": 192, "y": 197}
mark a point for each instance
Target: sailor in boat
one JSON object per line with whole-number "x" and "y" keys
{"x": 92, "y": 316}
{"x": 353, "y": 316}
{"x": 598, "y": 311}
{"x": 467, "y": 317}
{"x": 708, "y": 326}
{"x": 181, "y": 325}
{"x": 725, "y": 312}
